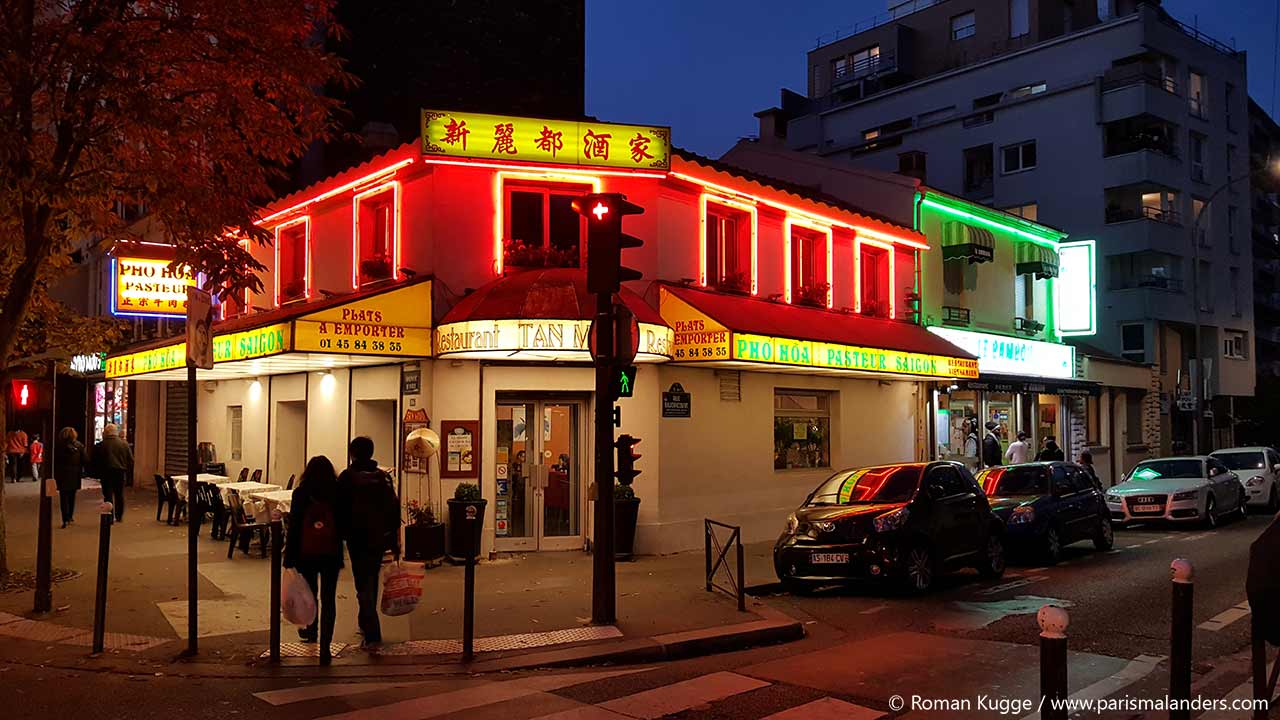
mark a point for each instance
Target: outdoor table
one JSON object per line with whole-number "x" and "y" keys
{"x": 244, "y": 489}
{"x": 180, "y": 482}
{"x": 280, "y": 499}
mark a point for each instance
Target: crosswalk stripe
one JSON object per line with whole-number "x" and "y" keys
{"x": 1226, "y": 617}
{"x": 586, "y": 712}
{"x": 827, "y": 709}
{"x": 329, "y": 690}
{"x": 683, "y": 695}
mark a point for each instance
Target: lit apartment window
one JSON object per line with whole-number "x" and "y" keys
{"x": 1198, "y": 171}
{"x": 1235, "y": 345}
{"x": 809, "y": 284}
{"x": 873, "y": 281}
{"x": 728, "y": 248}
{"x": 1027, "y": 90}
{"x": 801, "y": 429}
{"x": 542, "y": 228}
{"x": 871, "y": 134}
{"x": 1197, "y": 94}
{"x": 1133, "y": 342}
{"x": 963, "y": 26}
{"x": 1030, "y": 211}
{"x": 866, "y": 61}
{"x": 1019, "y": 157}
{"x": 293, "y": 260}
{"x": 376, "y": 235}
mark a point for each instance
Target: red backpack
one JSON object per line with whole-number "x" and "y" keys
{"x": 320, "y": 531}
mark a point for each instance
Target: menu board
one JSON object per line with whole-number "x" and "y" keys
{"x": 461, "y": 440}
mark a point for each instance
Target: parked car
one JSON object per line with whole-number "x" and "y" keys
{"x": 1178, "y": 489}
{"x": 1259, "y": 470}
{"x": 906, "y": 522}
{"x": 1046, "y": 506}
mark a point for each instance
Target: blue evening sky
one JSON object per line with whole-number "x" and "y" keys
{"x": 704, "y": 66}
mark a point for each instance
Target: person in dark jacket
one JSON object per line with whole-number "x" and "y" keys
{"x": 112, "y": 460}
{"x": 1086, "y": 462}
{"x": 369, "y": 518}
{"x": 1051, "y": 451}
{"x": 314, "y": 546}
{"x": 69, "y": 459}
{"x": 991, "y": 450}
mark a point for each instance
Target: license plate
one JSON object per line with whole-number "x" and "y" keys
{"x": 828, "y": 558}
{"x": 1147, "y": 508}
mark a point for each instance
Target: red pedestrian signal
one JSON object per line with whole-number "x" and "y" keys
{"x": 24, "y": 394}
{"x": 606, "y": 241}
{"x": 627, "y": 456}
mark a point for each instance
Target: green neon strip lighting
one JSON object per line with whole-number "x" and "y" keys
{"x": 1049, "y": 240}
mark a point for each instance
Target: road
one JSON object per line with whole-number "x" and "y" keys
{"x": 865, "y": 646}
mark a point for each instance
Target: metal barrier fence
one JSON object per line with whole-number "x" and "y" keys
{"x": 712, "y": 542}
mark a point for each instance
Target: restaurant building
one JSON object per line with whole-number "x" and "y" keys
{"x": 442, "y": 284}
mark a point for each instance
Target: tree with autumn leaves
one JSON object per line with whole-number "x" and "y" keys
{"x": 189, "y": 108}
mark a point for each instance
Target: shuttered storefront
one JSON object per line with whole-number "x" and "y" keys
{"x": 175, "y": 428}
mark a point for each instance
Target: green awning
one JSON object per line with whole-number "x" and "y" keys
{"x": 961, "y": 241}
{"x": 1037, "y": 259}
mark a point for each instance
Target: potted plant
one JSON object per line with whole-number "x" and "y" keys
{"x": 424, "y": 534}
{"x": 814, "y": 295}
{"x": 375, "y": 268}
{"x": 734, "y": 282}
{"x": 626, "y": 509}
{"x": 293, "y": 290}
{"x": 466, "y": 519}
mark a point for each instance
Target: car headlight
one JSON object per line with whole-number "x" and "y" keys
{"x": 1256, "y": 480}
{"x": 1022, "y": 515}
{"x": 1186, "y": 495}
{"x": 824, "y": 525}
{"x": 1113, "y": 499}
{"x": 891, "y": 520}
{"x": 792, "y": 523}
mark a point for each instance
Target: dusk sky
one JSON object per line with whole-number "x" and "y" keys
{"x": 705, "y": 67}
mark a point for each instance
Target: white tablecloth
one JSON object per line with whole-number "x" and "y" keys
{"x": 273, "y": 499}
{"x": 180, "y": 482}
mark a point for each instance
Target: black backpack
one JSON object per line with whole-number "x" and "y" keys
{"x": 319, "y": 531}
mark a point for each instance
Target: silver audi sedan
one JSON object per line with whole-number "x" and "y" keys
{"x": 1178, "y": 489}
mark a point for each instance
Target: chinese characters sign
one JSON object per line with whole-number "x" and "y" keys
{"x": 148, "y": 287}
{"x": 561, "y": 142}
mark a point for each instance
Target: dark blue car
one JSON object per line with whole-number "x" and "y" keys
{"x": 1047, "y": 506}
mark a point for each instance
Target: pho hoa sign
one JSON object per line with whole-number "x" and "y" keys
{"x": 539, "y": 340}
{"x": 148, "y": 287}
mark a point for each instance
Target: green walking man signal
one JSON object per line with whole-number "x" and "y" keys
{"x": 624, "y": 381}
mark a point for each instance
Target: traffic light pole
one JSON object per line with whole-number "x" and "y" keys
{"x": 603, "y": 586}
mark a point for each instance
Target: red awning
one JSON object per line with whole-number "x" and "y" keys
{"x": 742, "y": 314}
{"x": 544, "y": 294}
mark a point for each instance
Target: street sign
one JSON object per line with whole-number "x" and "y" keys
{"x": 199, "y": 328}
{"x": 676, "y": 403}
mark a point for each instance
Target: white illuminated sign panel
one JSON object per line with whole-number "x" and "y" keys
{"x": 1077, "y": 288}
{"x": 1003, "y": 355}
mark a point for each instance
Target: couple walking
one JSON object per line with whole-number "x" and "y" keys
{"x": 358, "y": 507}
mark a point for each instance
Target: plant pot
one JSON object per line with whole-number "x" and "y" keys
{"x": 625, "y": 513}
{"x": 465, "y": 528}
{"x": 424, "y": 543}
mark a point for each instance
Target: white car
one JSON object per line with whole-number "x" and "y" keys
{"x": 1177, "y": 489}
{"x": 1259, "y": 470}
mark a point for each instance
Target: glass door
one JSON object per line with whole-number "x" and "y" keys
{"x": 538, "y": 475}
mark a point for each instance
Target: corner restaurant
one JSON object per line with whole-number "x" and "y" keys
{"x": 454, "y": 296}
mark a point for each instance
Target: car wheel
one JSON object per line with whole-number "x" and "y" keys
{"x": 1051, "y": 544}
{"x": 991, "y": 565}
{"x": 1243, "y": 510}
{"x": 1105, "y": 537}
{"x": 1210, "y": 519}
{"x": 919, "y": 568}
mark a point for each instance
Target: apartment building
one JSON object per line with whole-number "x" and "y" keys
{"x": 1114, "y": 122}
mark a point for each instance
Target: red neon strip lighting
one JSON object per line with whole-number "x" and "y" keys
{"x": 306, "y": 270}
{"x": 392, "y": 186}
{"x": 338, "y": 190}
{"x": 557, "y": 169}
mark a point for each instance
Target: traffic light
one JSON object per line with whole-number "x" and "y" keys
{"x": 624, "y": 381}
{"x": 606, "y": 241}
{"x": 627, "y": 456}
{"x": 24, "y": 394}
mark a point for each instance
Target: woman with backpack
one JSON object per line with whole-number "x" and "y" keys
{"x": 314, "y": 547}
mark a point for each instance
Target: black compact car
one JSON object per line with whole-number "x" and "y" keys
{"x": 1046, "y": 506}
{"x": 906, "y": 522}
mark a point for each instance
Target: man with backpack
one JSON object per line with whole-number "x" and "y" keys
{"x": 314, "y": 546}
{"x": 369, "y": 518}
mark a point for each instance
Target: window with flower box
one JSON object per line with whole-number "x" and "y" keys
{"x": 809, "y": 282}
{"x": 873, "y": 277}
{"x": 293, "y": 260}
{"x": 728, "y": 248}
{"x": 377, "y": 230}
{"x": 541, "y": 227}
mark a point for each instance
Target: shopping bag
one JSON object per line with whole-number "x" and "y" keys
{"x": 297, "y": 602}
{"x": 401, "y": 588}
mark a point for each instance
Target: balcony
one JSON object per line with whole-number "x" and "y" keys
{"x": 1116, "y": 214}
{"x": 1142, "y": 160}
{"x": 883, "y": 63}
{"x": 1137, "y": 232}
{"x": 1128, "y": 92}
{"x": 1153, "y": 302}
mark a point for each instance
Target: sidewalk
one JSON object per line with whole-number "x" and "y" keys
{"x": 536, "y": 604}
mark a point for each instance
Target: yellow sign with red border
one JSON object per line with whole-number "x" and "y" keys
{"x": 697, "y": 337}
{"x": 392, "y": 323}
{"x": 229, "y": 347}
{"x": 586, "y": 143}
{"x": 148, "y": 287}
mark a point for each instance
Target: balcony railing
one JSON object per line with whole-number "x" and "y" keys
{"x": 1195, "y": 33}
{"x": 874, "y": 22}
{"x": 1158, "y": 282}
{"x": 958, "y": 316}
{"x": 1154, "y": 142}
{"x": 1117, "y": 214}
{"x": 1124, "y": 76}
{"x": 866, "y": 67}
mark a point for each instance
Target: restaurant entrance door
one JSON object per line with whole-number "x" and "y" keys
{"x": 538, "y": 498}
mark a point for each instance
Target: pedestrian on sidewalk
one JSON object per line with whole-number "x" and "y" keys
{"x": 1019, "y": 450}
{"x": 991, "y": 445}
{"x": 1086, "y": 462}
{"x": 112, "y": 458}
{"x": 369, "y": 519}
{"x": 37, "y": 456}
{"x": 15, "y": 451}
{"x": 314, "y": 546}
{"x": 69, "y": 461}
{"x": 1051, "y": 451}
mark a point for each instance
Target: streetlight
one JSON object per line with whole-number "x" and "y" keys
{"x": 1270, "y": 167}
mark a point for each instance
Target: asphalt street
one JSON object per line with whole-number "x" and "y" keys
{"x": 865, "y": 646}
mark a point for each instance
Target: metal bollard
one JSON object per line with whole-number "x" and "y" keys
{"x": 1259, "y": 658}
{"x": 469, "y": 585}
{"x": 105, "y": 520}
{"x": 1180, "y": 639}
{"x": 1053, "y": 622}
{"x": 277, "y": 552}
{"x": 44, "y": 550}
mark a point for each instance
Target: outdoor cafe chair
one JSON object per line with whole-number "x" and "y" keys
{"x": 257, "y": 476}
{"x": 165, "y": 495}
{"x": 291, "y": 479}
{"x": 242, "y": 529}
{"x": 244, "y": 475}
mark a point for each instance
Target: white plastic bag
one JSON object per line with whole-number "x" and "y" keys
{"x": 401, "y": 588}
{"x": 297, "y": 602}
